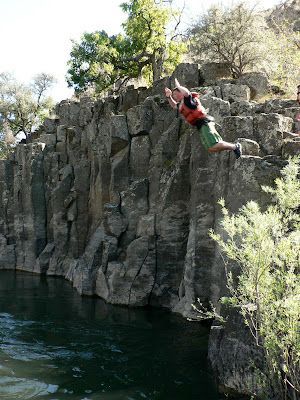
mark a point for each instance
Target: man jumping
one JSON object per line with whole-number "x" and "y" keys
{"x": 189, "y": 106}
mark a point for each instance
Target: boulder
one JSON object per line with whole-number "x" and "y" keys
{"x": 216, "y": 107}
{"x": 234, "y": 127}
{"x": 291, "y": 148}
{"x": 257, "y": 82}
{"x": 234, "y": 92}
{"x": 187, "y": 74}
{"x": 249, "y": 147}
{"x": 269, "y": 130}
{"x": 242, "y": 108}
{"x": 211, "y": 72}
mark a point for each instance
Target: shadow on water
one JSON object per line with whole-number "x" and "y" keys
{"x": 57, "y": 345}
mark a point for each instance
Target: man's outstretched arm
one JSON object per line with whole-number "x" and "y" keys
{"x": 172, "y": 102}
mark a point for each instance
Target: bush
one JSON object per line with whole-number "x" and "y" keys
{"x": 266, "y": 246}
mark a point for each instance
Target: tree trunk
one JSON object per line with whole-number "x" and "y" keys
{"x": 157, "y": 62}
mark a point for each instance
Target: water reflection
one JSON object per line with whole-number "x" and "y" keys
{"x": 57, "y": 345}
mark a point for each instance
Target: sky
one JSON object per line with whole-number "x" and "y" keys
{"x": 35, "y": 35}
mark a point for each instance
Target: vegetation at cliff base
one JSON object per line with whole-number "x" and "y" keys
{"x": 266, "y": 247}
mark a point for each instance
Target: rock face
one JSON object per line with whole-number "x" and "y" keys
{"x": 233, "y": 357}
{"x": 118, "y": 195}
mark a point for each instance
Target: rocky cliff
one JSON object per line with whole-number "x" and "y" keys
{"x": 118, "y": 196}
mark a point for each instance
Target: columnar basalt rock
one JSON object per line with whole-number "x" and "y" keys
{"x": 7, "y": 234}
{"x": 132, "y": 185}
{"x": 119, "y": 196}
{"x": 230, "y": 345}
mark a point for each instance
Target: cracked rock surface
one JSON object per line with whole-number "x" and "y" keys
{"x": 118, "y": 196}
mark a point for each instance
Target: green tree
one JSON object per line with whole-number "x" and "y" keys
{"x": 23, "y": 107}
{"x": 284, "y": 45}
{"x": 266, "y": 247}
{"x": 243, "y": 38}
{"x": 145, "y": 49}
{"x": 146, "y": 29}
{"x": 231, "y": 35}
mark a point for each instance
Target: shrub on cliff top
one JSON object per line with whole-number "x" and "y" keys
{"x": 266, "y": 246}
{"x": 147, "y": 49}
{"x": 241, "y": 37}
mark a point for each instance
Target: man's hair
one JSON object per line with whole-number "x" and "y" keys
{"x": 177, "y": 90}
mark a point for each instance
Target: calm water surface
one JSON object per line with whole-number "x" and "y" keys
{"x": 57, "y": 345}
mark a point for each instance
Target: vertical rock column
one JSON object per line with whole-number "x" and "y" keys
{"x": 29, "y": 206}
{"x": 7, "y": 238}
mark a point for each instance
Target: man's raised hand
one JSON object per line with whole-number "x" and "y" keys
{"x": 168, "y": 92}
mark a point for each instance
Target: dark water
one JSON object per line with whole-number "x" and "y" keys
{"x": 57, "y": 345}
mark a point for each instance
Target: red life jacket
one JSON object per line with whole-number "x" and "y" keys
{"x": 190, "y": 115}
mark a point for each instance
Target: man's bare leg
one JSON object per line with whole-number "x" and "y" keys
{"x": 221, "y": 146}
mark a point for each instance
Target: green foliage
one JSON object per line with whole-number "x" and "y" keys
{"x": 231, "y": 35}
{"x": 92, "y": 60}
{"x": 203, "y": 313}
{"x": 242, "y": 38}
{"x": 145, "y": 50}
{"x": 266, "y": 246}
{"x": 4, "y": 150}
{"x": 23, "y": 108}
{"x": 284, "y": 45}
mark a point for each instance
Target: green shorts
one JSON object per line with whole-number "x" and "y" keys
{"x": 209, "y": 135}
